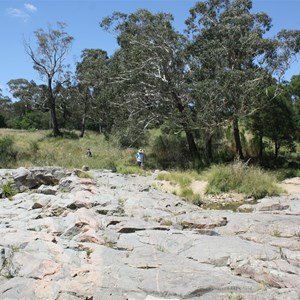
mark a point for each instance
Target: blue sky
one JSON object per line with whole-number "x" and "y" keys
{"x": 19, "y": 20}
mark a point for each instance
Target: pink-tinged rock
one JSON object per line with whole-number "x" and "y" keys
{"x": 90, "y": 236}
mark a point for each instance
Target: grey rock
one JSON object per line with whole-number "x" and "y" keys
{"x": 113, "y": 236}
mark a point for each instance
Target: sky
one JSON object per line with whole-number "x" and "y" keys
{"x": 19, "y": 20}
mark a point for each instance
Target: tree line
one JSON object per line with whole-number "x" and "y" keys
{"x": 221, "y": 72}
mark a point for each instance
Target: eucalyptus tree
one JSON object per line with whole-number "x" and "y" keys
{"x": 151, "y": 71}
{"x": 74, "y": 103}
{"x": 48, "y": 60}
{"x": 276, "y": 124}
{"x": 30, "y": 95}
{"x": 230, "y": 53}
{"x": 93, "y": 88}
{"x": 5, "y": 109}
{"x": 280, "y": 124}
{"x": 294, "y": 89}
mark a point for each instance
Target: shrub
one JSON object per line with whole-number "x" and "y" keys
{"x": 188, "y": 195}
{"x": 7, "y": 153}
{"x": 32, "y": 120}
{"x": 287, "y": 173}
{"x": 82, "y": 174}
{"x": 219, "y": 180}
{"x": 184, "y": 179}
{"x": 258, "y": 184}
{"x": 34, "y": 146}
{"x": 8, "y": 190}
{"x": 238, "y": 177}
{"x": 2, "y": 122}
{"x": 170, "y": 151}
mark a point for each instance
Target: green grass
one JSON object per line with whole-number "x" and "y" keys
{"x": 39, "y": 149}
{"x": 83, "y": 174}
{"x": 237, "y": 177}
{"x": 286, "y": 173}
{"x": 188, "y": 195}
{"x": 183, "y": 179}
{"x": 8, "y": 190}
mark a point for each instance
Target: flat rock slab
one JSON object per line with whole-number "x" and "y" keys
{"x": 114, "y": 236}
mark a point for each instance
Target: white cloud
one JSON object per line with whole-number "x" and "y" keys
{"x": 18, "y": 13}
{"x": 30, "y": 7}
{"x": 21, "y": 13}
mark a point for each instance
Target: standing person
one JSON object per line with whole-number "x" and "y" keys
{"x": 140, "y": 158}
{"x": 88, "y": 153}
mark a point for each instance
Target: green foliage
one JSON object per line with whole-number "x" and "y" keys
{"x": 188, "y": 195}
{"x": 129, "y": 135}
{"x": 277, "y": 233}
{"x": 31, "y": 120}
{"x": 70, "y": 134}
{"x": 52, "y": 47}
{"x": 238, "y": 177}
{"x": 34, "y": 146}
{"x": 193, "y": 83}
{"x": 108, "y": 242}
{"x": 224, "y": 155}
{"x": 234, "y": 296}
{"x": 2, "y": 121}
{"x": 38, "y": 148}
{"x": 184, "y": 179}
{"x": 82, "y": 174}
{"x": 88, "y": 252}
{"x": 287, "y": 173}
{"x": 170, "y": 151}
{"x": 122, "y": 169}
{"x": 8, "y": 190}
{"x": 7, "y": 152}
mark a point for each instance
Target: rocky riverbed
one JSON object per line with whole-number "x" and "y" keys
{"x": 69, "y": 234}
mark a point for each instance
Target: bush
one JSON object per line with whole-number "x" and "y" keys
{"x": 7, "y": 153}
{"x": 170, "y": 151}
{"x": 32, "y": 120}
{"x": 34, "y": 146}
{"x": 238, "y": 177}
{"x": 129, "y": 137}
{"x": 184, "y": 179}
{"x": 8, "y": 190}
{"x": 188, "y": 195}
{"x": 2, "y": 122}
{"x": 287, "y": 173}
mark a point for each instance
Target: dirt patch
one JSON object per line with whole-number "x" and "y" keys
{"x": 199, "y": 186}
{"x": 291, "y": 186}
{"x": 167, "y": 187}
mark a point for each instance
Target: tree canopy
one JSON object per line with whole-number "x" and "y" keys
{"x": 48, "y": 59}
{"x": 223, "y": 71}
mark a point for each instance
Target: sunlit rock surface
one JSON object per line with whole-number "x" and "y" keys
{"x": 113, "y": 236}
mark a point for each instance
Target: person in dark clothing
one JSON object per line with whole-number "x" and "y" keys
{"x": 88, "y": 153}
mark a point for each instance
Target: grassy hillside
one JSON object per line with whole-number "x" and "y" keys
{"x": 37, "y": 148}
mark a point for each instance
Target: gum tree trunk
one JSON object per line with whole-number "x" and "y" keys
{"x": 237, "y": 138}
